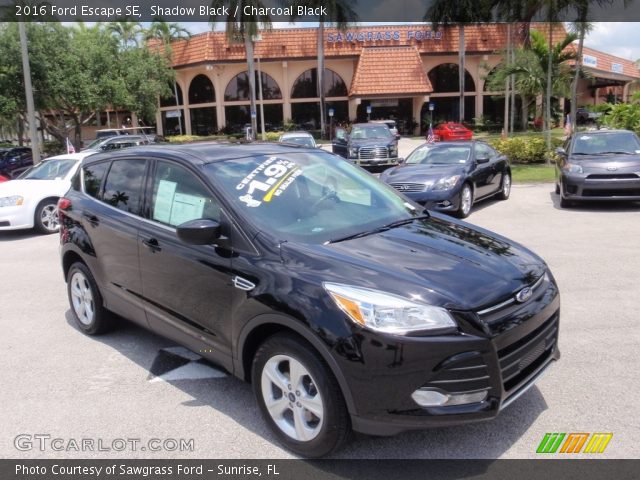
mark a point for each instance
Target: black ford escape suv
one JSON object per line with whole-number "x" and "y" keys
{"x": 345, "y": 304}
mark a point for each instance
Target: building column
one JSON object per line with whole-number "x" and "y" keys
{"x": 417, "y": 108}
{"x": 353, "y": 108}
{"x": 286, "y": 95}
{"x": 220, "y": 88}
{"x": 159, "y": 128}
{"x": 625, "y": 92}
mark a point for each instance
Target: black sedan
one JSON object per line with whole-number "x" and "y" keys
{"x": 452, "y": 176}
{"x": 14, "y": 161}
{"x": 599, "y": 165}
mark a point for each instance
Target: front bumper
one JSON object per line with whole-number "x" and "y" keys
{"x": 600, "y": 187}
{"x": 503, "y": 353}
{"x": 440, "y": 200}
{"x": 15, "y": 218}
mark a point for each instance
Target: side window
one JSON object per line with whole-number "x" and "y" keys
{"x": 483, "y": 151}
{"x": 124, "y": 184}
{"x": 179, "y": 196}
{"x": 92, "y": 176}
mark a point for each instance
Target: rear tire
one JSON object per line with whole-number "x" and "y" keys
{"x": 299, "y": 397}
{"x": 466, "y": 201}
{"x": 86, "y": 302}
{"x": 46, "y": 216}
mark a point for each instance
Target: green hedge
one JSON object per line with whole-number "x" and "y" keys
{"x": 525, "y": 149}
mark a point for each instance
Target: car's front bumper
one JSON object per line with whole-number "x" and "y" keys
{"x": 605, "y": 187}
{"x": 15, "y": 218}
{"x": 503, "y": 353}
{"x": 440, "y": 200}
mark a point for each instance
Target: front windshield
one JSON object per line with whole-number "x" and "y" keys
{"x": 365, "y": 133}
{"x": 309, "y": 197}
{"x": 301, "y": 140}
{"x": 440, "y": 155}
{"x": 603, "y": 143}
{"x": 50, "y": 170}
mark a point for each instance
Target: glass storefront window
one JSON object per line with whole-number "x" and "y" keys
{"x": 201, "y": 90}
{"x": 238, "y": 88}
{"x": 203, "y": 121}
{"x": 305, "y": 85}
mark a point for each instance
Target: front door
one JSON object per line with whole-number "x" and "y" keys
{"x": 187, "y": 288}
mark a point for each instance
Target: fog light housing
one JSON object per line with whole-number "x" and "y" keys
{"x": 430, "y": 397}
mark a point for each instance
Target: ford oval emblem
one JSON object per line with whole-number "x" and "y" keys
{"x": 524, "y": 294}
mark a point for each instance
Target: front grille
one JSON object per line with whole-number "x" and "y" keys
{"x": 409, "y": 187}
{"x": 613, "y": 176}
{"x": 521, "y": 358}
{"x": 610, "y": 192}
{"x": 488, "y": 314}
{"x": 461, "y": 373}
{"x": 369, "y": 153}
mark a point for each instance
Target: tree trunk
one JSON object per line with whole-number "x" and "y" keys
{"x": 248, "y": 43}
{"x": 547, "y": 133}
{"x": 175, "y": 94}
{"x": 461, "y": 71}
{"x": 20, "y": 131}
{"x": 576, "y": 78}
{"x": 320, "y": 77}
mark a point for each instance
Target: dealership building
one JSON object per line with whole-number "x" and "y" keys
{"x": 375, "y": 72}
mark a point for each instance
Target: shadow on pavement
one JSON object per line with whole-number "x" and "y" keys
{"x": 234, "y": 398}
{"x": 596, "y": 206}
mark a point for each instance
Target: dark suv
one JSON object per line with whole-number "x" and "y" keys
{"x": 15, "y": 160}
{"x": 367, "y": 144}
{"x": 346, "y": 305}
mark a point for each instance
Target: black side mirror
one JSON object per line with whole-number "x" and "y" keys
{"x": 561, "y": 151}
{"x": 199, "y": 232}
{"x": 481, "y": 160}
{"x": 400, "y": 161}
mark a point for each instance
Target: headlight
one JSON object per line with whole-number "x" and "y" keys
{"x": 388, "y": 313}
{"x": 393, "y": 150}
{"x": 446, "y": 183}
{"x": 572, "y": 167}
{"x": 353, "y": 151}
{"x": 11, "y": 201}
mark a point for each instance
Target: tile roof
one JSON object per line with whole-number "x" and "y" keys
{"x": 390, "y": 70}
{"x": 605, "y": 63}
{"x": 290, "y": 43}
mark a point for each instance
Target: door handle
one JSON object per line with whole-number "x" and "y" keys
{"x": 91, "y": 218}
{"x": 152, "y": 244}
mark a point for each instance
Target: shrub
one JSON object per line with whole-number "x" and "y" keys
{"x": 525, "y": 149}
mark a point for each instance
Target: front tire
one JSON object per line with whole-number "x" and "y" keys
{"x": 505, "y": 187}
{"x": 466, "y": 201}
{"x": 299, "y": 397}
{"x": 86, "y": 302}
{"x": 46, "y": 216}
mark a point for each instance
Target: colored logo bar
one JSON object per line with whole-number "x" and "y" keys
{"x": 574, "y": 442}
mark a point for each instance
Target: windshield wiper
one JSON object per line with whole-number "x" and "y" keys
{"x": 621, "y": 152}
{"x": 383, "y": 228}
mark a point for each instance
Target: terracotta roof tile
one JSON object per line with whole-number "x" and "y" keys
{"x": 390, "y": 70}
{"x": 302, "y": 42}
{"x": 605, "y": 63}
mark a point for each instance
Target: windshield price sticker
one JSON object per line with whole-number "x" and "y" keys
{"x": 273, "y": 177}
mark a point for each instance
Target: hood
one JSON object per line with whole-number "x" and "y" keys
{"x": 610, "y": 163}
{"x": 28, "y": 188}
{"x": 446, "y": 263}
{"x": 371, "y": 142}
{"x": 421, "y": 172}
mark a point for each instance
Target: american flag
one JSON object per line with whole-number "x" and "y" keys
{"x": 431, "y": 138}
{"x": 70, "y": 148}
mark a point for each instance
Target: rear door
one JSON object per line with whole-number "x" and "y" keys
{"x": 187, "y": 288}
{"x": 111, "y": 225}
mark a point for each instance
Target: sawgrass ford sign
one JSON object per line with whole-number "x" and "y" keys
{"x": 384, "y": 35}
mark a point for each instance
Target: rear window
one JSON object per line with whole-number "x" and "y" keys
{"x": 124, "y": 184}
{"x": 93, "y": 176}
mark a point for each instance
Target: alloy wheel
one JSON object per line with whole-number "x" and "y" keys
{"x": 292, "y": 398}
{"x": 82, "y": 298}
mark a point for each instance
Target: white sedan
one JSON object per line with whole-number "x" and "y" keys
{"x": 31, "y": 200}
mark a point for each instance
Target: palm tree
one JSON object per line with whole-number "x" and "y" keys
{"x": 459, "y": 12}
{"x": 339, "y": 13}
{"x": 126, "y": 32}
{"x": 167, "y": 33}
{"x": 244, "y": 28}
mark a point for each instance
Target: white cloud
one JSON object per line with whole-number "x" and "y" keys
{"x": 617, "y": 38}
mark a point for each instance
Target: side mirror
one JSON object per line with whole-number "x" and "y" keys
{"x": 481, "y": 160}
{"x": 400, "y": 161}
{"x": 199, "y": 232}
{"x": 561, "y": 151}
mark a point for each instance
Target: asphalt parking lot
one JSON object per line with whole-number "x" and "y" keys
{"x": 133, "y": 384}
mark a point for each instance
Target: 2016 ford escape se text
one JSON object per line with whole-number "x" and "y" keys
{"x": 345, "y": 304}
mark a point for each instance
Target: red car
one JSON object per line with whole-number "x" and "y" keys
{"x": 452, "y": 131}
{"x": 3, "y": 178}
